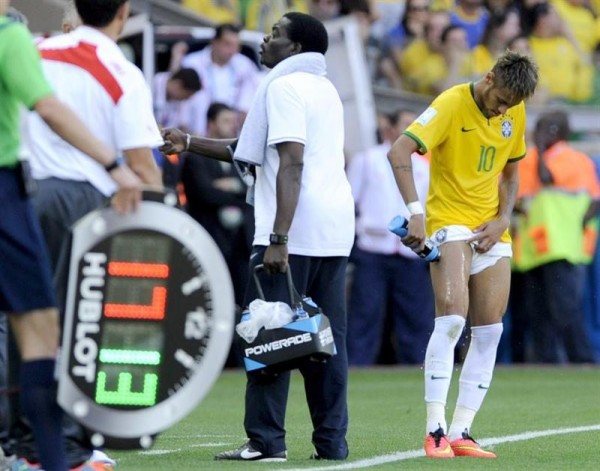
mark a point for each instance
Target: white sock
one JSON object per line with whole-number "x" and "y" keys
{"x": 476, "y": 376}
{"x": 439, "y": 362}
{"x": 436, "y": 416}
{"x": 461, "y": 422}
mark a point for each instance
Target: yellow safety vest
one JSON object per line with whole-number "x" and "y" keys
{"x": 552, "y": 230}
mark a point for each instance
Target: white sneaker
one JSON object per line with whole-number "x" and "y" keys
{"x": 102, "y": 457}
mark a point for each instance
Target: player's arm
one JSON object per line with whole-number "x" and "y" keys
{"x": 64, "y": 122}
{"x": 289, "y": 179}
{"x": 400, "y": 159}
{"x": 177, "y": 141}
{"x": 508, "y": 191}
{"x": 142, "y": 162}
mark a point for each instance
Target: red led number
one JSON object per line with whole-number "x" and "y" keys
{"x": 138, "y": 270}
{"x": 153, "y": 311}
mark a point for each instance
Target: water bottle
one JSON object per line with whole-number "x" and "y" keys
{"x": 399, "y": 226}
{"x": 246, "y": 316}
{"x": 300, "y": 313}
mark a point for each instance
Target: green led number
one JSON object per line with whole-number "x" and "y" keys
{"x": 124, "y": 396}
{"x": 129, "y": 357}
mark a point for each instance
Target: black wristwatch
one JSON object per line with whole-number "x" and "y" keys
{"x": 120, "y": 160}
{"x": 278, "y": 239}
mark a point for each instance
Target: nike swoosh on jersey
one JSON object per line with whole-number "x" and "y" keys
{"x": 463, "y": 129}
{"x": 439, "y": 377}
{"x": 481, "y": 386}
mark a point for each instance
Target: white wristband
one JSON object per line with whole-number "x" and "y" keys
{"x": 188, "y": 141}
{"x": 415, "y": 208}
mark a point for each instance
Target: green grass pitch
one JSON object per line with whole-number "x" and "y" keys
{"x": 534, "y": 418}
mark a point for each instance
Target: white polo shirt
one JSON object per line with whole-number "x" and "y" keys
{"x": 378, "y": 200}
{"x": 306, "y": 108}
{"x": 233, "y": 84}
{"x": 89, "y": 73}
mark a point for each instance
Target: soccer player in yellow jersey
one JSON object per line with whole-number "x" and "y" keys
{"x": 475, "y": 133}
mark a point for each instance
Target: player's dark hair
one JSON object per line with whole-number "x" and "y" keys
{"x": 189, "y": 79}
{"x": 215, "y": 109}
{"x": 98, "y": 13}
{"x": 516, "y": 73}
{"x": 307, "y": 31}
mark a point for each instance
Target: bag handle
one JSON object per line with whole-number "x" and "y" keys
{"x": 295, "y": 297}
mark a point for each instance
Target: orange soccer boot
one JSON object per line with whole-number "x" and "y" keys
{"x": 467, "y": 446}
{"x": 437, "y": 445}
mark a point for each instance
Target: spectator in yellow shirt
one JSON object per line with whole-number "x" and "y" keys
{"x": 432, "y": 68}
{"x": 501, "y": 28}
{"x": 564, "y": 69}
{"x": 258, "y": 15}
{"x": 581, "y": 21}
{"x": 219, "y": 11}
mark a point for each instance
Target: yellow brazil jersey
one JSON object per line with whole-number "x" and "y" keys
{"x": 468, "y": 154}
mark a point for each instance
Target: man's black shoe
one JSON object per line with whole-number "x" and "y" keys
{"x": 247, "y": 453}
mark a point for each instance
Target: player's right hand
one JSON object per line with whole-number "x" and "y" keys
{"x": 415, "y": 238}
{"x": 129, "y": 194}
{"x": 175, "y": 141}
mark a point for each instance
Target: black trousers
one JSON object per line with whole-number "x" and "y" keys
{"x": 325, "y": 384}
{"x": 549, "y": 305}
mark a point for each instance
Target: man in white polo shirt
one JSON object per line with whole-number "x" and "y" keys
{"x": 293, "y": 136}
{"x": 88, "y": 71}
{"x": 227, "y": 75}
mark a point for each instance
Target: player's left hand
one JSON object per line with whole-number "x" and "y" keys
{"x": 129, "y": 191}
{"x": 488, "y": 233}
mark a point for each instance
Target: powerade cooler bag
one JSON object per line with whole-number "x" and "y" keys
{"x": 281, "y": 349}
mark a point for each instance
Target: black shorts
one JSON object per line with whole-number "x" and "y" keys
{"x": 25, "y": 275}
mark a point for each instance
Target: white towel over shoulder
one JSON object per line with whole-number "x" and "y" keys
{"x": 253, "y": 138}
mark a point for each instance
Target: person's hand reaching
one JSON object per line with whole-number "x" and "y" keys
{"x": 176, "y": 141}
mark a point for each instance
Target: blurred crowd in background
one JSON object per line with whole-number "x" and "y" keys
{"x": 421, "y": 47}
{"x": 424, "y": 46}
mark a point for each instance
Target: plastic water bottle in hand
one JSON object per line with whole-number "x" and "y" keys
{"x": 399, "y": 226}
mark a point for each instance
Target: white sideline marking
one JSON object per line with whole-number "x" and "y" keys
{"x": 158, "y": 452}
{"x": 175, "y": 450}
{"x": 406, "y": 455}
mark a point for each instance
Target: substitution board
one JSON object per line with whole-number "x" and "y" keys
{"x": 148, "y": 322}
